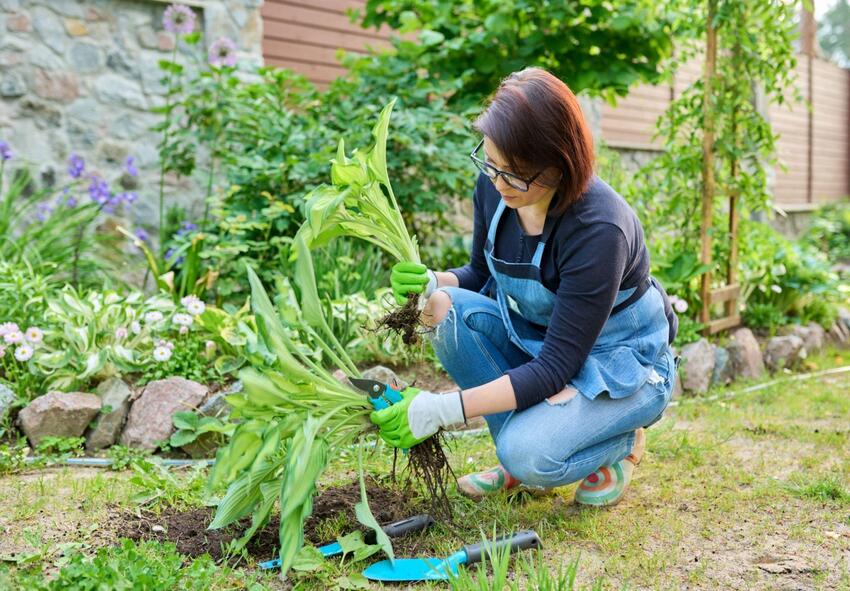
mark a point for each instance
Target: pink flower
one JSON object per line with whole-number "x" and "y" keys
{"x": 222, "y": 52}
{"x": 184, "y": 329}
{"x": 8, "y": 327}
{"x": 34, "y": 334}
{"x": 23, "y": 352}
{"x": 178, "y": 19}
{"x": 120, "y": 333}
{"x": 681, "y": 306}
{"x": 14, "y": 336}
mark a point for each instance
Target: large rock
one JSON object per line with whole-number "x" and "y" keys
{"x": 745, "y": 354}
{"x": 839, "y": 334}
{"x": 722, "y": 373}
{"x": 206, "y": 444}
{"x": 115, "y": 401}
{"x": 782, "y": 352}
{"x": 58, "y": 414}
{"x": 149, "y": 421}
{"x": 386, "y": 375}
{"x": 697, "y": 366}
{"x": 812, "y": 335}
{"x": 7, "y": 399}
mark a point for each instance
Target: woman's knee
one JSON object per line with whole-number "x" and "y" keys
{"x": 436, "y": 308}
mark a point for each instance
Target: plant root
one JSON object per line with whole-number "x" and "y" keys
{"x": 404, "y": 320}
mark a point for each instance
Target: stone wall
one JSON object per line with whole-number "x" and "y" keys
{"x": 80, "y": 77}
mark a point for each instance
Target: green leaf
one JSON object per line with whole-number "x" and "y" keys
{"x": 182, "y": 437}
{"x": 429, "y": 38}
{"x": 185, "y": 420}
{"x": 308, "y": 558}
{"x": 364, "y": 513}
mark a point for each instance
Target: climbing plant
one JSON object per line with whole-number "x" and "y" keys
{"x": 716, "y": 138}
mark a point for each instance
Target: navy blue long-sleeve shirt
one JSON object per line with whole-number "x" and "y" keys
{"x": 596, "y": 249}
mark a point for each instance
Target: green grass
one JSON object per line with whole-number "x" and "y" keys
{"x": 726, "y": 486}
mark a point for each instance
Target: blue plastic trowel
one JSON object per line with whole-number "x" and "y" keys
{"x": 441, "y": 569}
{"x": 393, "y": 530}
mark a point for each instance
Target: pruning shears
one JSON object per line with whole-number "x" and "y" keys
{"x": 381, "y": 395}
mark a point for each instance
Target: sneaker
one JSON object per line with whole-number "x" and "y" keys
{"x": 480, "y": 484}
{"x": 606, "y": 486}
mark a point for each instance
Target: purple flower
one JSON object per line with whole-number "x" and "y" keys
{"x": 178, "y": 19}
{"x": 76, "y": 165}
{"x": 43, "y": 211}
{"x": 5, "y": 151}
{"x": 71, "y": 201}
{"x": 142, "y": 235}
{"x": 222, "y": 52}
{"x": 130, "y": 168}
{"x": 99, "y": 190}
{"x": 185, "y": 228}
{"x": 129, "y": 197}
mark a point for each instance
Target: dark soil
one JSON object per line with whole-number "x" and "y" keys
{"x": 188, "y": 529}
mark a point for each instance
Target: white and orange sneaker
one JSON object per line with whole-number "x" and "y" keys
{"x": 480, "y": 484}
{"x": 606, "y": 486}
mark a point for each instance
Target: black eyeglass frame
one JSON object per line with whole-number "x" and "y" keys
{"x": 485, "y": 166}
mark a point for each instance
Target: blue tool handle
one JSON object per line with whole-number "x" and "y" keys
{"x": 378, "y": 402}
{"x": 270, "y": 564}
{"x": 392, "y": 395}
{"x": 522, "y": 540}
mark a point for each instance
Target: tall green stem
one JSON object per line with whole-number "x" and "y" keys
{"x": 165, "y": 133}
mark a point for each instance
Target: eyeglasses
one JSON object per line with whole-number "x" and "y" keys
{"x": 518, "y": 183}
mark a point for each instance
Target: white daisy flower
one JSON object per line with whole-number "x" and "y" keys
{"x": 776, "y": 288}
{"x": 135, "y": 327}
{"x": 13, "y": 337}
{"x": 182, "y": 319}
{"x": 34, "y": 334}
{"x": 120, "y": 333}
{"x": 153, "y": 317}
{"x": 162, "y": 353}
{"x": 23, "y": 352}
{"x": 7, "y": 327}
{"x": 184, "y": 329}
{"x": 680, "y": 305}
{"x": 193, "y": 305}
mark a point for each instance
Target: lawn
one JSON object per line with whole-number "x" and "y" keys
{"x": 749, "y": 491}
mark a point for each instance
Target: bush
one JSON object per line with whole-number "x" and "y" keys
{"x": 830, "y": 231}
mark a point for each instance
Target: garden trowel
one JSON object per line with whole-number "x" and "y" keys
{"x": 440, "y": 569}
{"x": 393, "y": 530}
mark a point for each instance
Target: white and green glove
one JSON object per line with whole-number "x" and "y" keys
{"x": 418, "y": 416}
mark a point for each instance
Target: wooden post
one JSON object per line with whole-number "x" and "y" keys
{"x": 708, "y": 160}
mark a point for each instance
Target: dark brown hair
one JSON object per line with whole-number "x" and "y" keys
{"x": 536, "y": 122}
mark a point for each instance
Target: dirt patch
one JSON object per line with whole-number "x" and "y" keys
{"x": 187, "y": 529}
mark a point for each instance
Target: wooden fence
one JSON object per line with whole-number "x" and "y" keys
{"x": 304, "y": 35}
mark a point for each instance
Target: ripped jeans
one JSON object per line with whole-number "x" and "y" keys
{"x": 548, "y": 444}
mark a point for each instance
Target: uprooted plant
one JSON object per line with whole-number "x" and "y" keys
{"x": 360, "y": 202}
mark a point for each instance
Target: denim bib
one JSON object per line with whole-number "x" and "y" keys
{"x": 632, "y": 339}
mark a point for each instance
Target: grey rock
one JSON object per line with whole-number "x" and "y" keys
{"x": 115, "y": 404}
{"x": 50, "y": 28}
{"x": 86, "y": 58}
{"x": 151, "y": 76}
{"x": 86, "y": 111}
{"x": 839, "y": 333}
{"x": 386, "y": 375}
{"x": 844, "y": 317}
{"x": 112, "y": 89}
{"x": 150, "y": 418}
{"x": 677, "y": 387}
{"x": 10, "y": 5}
{"x": 722, "y": 373}
{"x": 118, "y": 62}
{"x": 784, "y": 351}
{"x": 40, "y": 56}
{"x": 697, "y": 366}
{"x": 44, "y": 113}
{"x": 812, "y": 336}
{"x": 72, "y": 8}
{"x": 130, "y": 126}
{"x": 7, "y": 399}
{"x": 12, "y": 85}
{"x": 745, "y": 355}
{"x": 341, "y": 377}
{"x": 58, "y": 414}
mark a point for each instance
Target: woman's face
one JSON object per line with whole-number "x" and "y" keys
{"x": 539, "y": 192}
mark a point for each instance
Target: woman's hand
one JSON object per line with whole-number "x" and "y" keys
{"x": 418, "y": 416}
{"x": 409, "y": 277}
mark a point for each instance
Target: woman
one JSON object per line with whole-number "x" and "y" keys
{"x": 555, "y": 331}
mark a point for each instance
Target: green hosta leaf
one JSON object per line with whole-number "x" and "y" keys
{"x": 308, "y": 558}
{"x": 305, "y": 277}
{"x": 182, "y": 437}
{"x": 185, "y": 420}
{"x": 377, "y": 158}
{"x": 364, "y": 513}
{"x": 347, "y": 172}
{"x": 94, "y": 363}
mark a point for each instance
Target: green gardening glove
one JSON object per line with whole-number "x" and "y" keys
{"x": 409, "y": 277}
{"x": 418, "y": 416}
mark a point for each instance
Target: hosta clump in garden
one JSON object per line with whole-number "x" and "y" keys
{"x": 294, "y": 416}
{"x": 360, "y": 202}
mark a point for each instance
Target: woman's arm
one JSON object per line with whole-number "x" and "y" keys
{"x": 446, "y": 279}
{"x": 490, "y": 398}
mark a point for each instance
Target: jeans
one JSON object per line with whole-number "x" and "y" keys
{"x": 548, "y": 444}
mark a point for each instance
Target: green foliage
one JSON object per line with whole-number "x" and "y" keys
{"x": 834, "y": 33}
{"x": 594, "y": 45}
{"x": 190, "y": 426}
{"x": 784, "y": 280}
{"x": 157, "y": 485}
{"x": 124, "y": 457}
{"x": 142, "y": 566}
{"x": 24, "y": 292}
{"x": 830, "y": 231}
{"x": 53, "y": 450}
{"x": 190, "y": 358}
{"x": 13, "y": 457}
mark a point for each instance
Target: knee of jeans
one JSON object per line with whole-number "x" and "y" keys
{"x": 525, "y": 461}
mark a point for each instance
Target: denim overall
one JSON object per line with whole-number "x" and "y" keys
{"x": 622, "y": 357}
